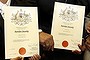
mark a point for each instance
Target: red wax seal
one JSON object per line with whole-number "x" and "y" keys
{"x": 22, "y": 51}
{"x": 64, "y": 43}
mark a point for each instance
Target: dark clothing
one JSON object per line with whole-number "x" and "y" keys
{"x": 1, "y": 38}
{"x": 45, "y": 11}
{"x": 23, "y": 3}
{"x": 68, "y": 1}
{"x": 85, "y": 3}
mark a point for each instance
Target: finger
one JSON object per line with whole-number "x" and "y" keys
{"x": 22, "y": 58}
{"x": 39, "y": 57}
{"x": 17, "y": 58}
{"x": 80, "y": 46}
{"x": 31, "y": 58}
{"x": 76, "y": 52}
{"x": 35, "y": 57}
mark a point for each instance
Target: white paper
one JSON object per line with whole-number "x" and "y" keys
{"x": 67, "y": 26}
{"x": 21, "y": 31}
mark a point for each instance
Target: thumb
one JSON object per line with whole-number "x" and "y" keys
{"x": 81, "y": 47}
{"x": 17, "y": 58}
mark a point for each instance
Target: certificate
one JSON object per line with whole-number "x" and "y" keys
{"x": 21, "y": 31}
{"x": 67, "y": 26}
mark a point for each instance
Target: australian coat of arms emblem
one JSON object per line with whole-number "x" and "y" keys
{"x": 68, "y": 14}
{"x": 21, "y": 18}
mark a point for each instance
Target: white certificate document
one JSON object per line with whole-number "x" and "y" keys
{"x": 21, "y": 31}
{"x": 67, "y": 26}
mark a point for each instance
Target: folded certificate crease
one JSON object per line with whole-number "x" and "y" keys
{"x": 67, "y": 26}
{"x": 21, "y": 39}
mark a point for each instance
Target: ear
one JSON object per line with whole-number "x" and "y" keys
{"x": 3, "y": 1}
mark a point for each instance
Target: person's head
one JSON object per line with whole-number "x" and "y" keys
{"x": 4, "y": 1}
{"x": 87, "y": 25}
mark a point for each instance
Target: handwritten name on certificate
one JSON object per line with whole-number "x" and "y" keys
{"x": 21, "y": 31}
{"x": 67, "y": 26}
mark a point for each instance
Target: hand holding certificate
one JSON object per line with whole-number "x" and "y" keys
{"x": 21, "y": 31}
{"x": 67, "y": 26}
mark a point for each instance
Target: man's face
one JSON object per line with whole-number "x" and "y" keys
{"x": 4, "y": 1}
